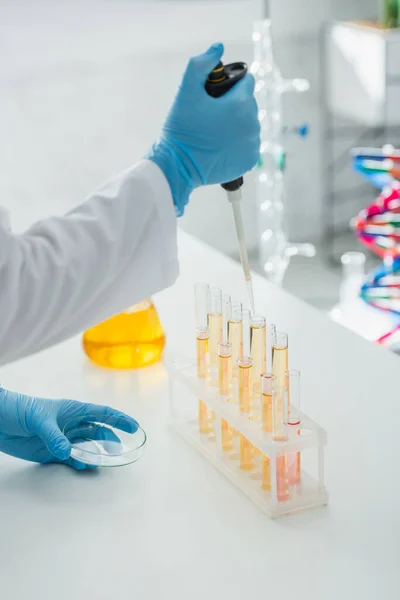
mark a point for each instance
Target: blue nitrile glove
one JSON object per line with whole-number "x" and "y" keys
{"x": 31, "y": 428}
{"x": 207, "y": 140}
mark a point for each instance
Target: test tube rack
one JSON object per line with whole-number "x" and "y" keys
{"x": 185, "y": 391}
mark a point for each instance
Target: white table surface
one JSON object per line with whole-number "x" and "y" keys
{"x": 171, "y": 526}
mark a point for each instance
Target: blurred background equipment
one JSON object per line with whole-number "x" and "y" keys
{"x": 275, "y": 250}
{"x": 305, "y": 189}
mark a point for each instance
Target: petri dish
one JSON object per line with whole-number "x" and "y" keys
{"x": 102, "y": 445}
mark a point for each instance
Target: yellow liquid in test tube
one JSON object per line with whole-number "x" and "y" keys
{"x": 235, "y": 338}
{"x": 224, "y": 374}
{"x": 258, "y": 342}
{"x": 266, "y": 412}
{"x": 132, "y": 339}
{"x": 246, "y": 454}
{"x": 215, "y": 330}
{"x": 224, "y": 387}
{"x": 279, "y": 434}
{"x": 282, "y": 478}
{"x": 266, "y": 474}
{"x": 202, "y": 356}
{"x": 280, "y": 360}
{"x": 245, "y": 386}
{"x": 266, "y": 416}
{"x": 202, "y": 373}
{"x": 282, "y": 467}
{"x": 245, "y": 405}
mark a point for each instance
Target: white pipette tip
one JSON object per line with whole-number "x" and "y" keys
{"x": 249, "y": 285}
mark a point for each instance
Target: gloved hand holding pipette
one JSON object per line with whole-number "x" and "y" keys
{"x": 207, "y": 140}
{"x": 31, "y": 428}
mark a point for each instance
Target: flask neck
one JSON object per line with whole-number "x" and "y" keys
{"x": 141, "y": 306}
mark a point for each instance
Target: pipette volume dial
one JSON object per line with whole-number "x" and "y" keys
{"x": 220, "y": 81}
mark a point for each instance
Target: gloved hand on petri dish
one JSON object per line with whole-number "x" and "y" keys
{"x": 32, "y": 428}
{"x": 207, "y": 140}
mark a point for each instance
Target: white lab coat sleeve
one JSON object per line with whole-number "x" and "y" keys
{"x": 67, "y": 273}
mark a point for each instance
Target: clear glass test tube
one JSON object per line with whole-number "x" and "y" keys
{"x": 224, "y": 368}
{"x": 294, "y": 422}
{"x": 245, "y": 379}
{"x": 268, "y": 386}
{"x": 201, "y": 294}
{"x": 268, "y": 389}
{"x": 244, "y": 317}
{"x": 258, "y": 346}
{"x": 226, "y": 313}
{"x": 245, "y": 364}
{"x": 202, "y": 338}
{"x": 235, "y": 335}
{"x": 202, "y": 373}
{"x": 270, "y": 339}
{"x": 214, "y": 322}
{"x": 280, "y": 434}
{"x": 224, "y": 386}
{"x": 280, "y": 358}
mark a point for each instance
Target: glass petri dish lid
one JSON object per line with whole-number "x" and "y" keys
{"x": 102, "y": 445}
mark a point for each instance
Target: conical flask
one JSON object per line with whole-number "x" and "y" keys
{"x": 130, "y": 340}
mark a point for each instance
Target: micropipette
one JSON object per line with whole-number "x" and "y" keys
{"x": 220, "y": 80}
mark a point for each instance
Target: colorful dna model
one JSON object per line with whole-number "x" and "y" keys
{"x": 378, "y": 228}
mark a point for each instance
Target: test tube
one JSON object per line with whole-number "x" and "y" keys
{"x": 201, "y": 293}
{"x": 245, "y": 376}
{"x": 224, "y": 380}
{"x": 258, "y": 347}
{"x": 214, "y": 322}
{"x": 280, "y": 358}
{"x": 235, "y": 335}
{"x": 268, "y": 389}
{"x": 245, "y": 364}
{"x": 293, "y": 394}
{"x": 226, "y": 313}
{"x": 202, "y": 348}
{"x": 224, "y": 368}
{"x": 280, "y": 434}
{"x": 268, "y": 386}
{"x": 280, "y": 362}
{"x": 270, "y": 339}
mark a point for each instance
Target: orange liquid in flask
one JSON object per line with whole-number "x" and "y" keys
{"x": 130, "y": 340}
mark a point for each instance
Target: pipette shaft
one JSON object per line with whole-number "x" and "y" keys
{"x": 235, "y": 198}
